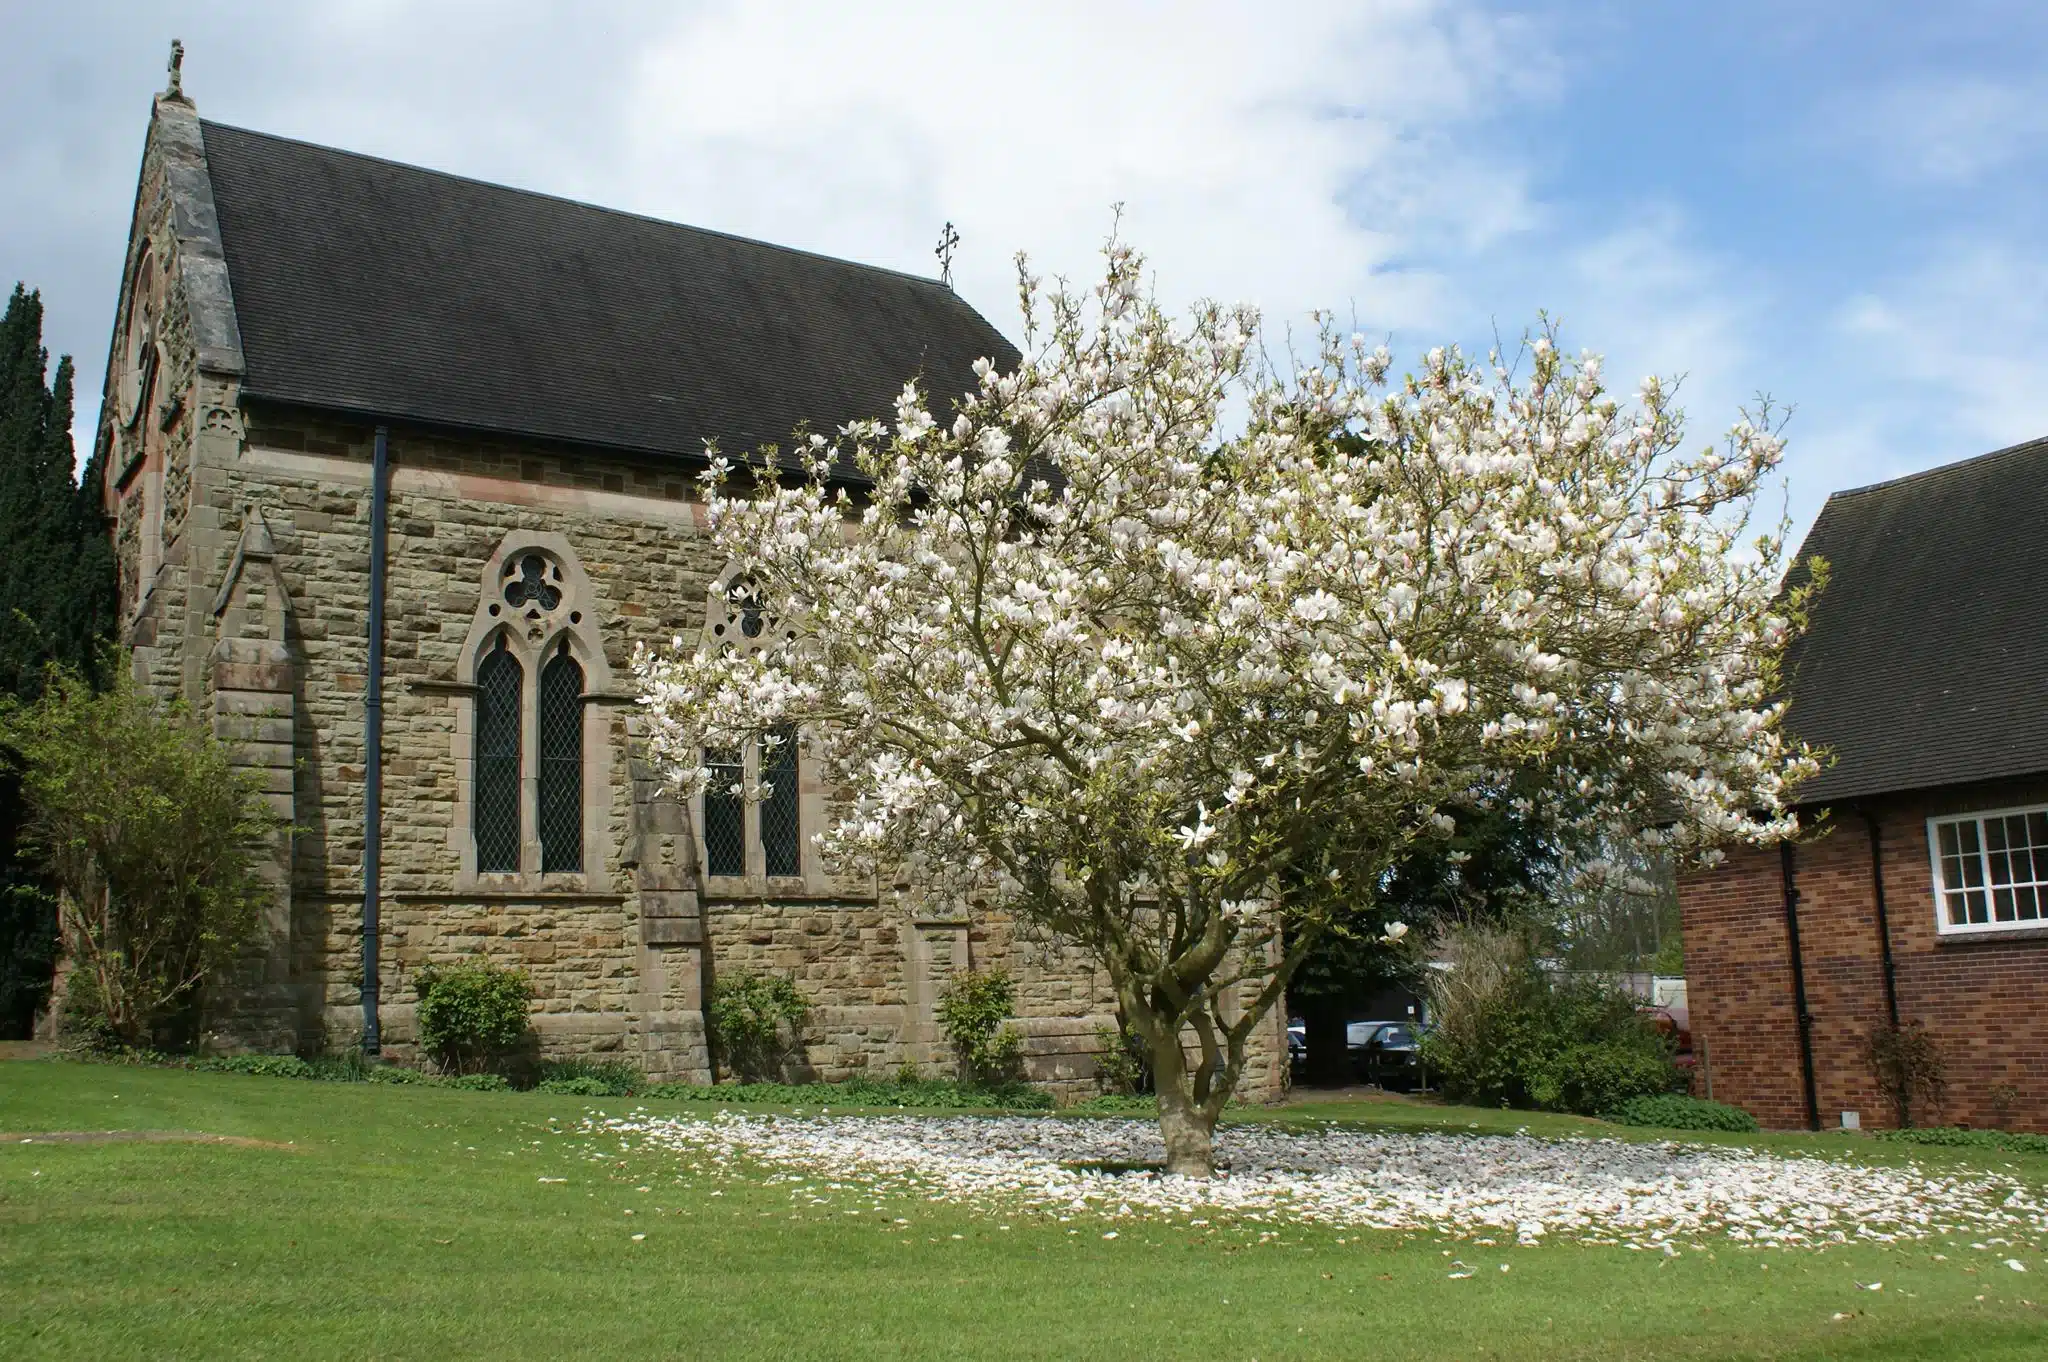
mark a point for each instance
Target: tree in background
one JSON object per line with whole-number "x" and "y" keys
{"x": 1498, "y": 866}
{"x": 1181, "y": 693}
{"x": 57, "y": 559}
{"x": 139, "y": 817}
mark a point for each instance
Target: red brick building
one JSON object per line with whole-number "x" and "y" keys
{"x": 1920, "y": 893}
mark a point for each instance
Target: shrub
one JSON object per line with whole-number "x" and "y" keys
{"x": 150, "y": 833}
{"x": 974, "y": 1012}
{"x": 1509, "y": 1035}
{"x": 471, "y": 1015}
{"x": 1909, "y": 1067}
{"x": 611, "y": 1077}
{"x": 479, "y": 1082}
{"x": 1676, "y": 1111}
{"x": 862, "y": 1092}
{"x": 576, "y": 1087}
{"x": 267, "y": 1066}
{"x": 1117, "y": 1104}
{"x": 394, "y": 1073}
{"x": 756, "y": 1020}
{"x": 2018, "y": 1142}
{"x": 1122, "y": 1069}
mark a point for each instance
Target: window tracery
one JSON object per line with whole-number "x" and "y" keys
{"x": 536, "y": 769}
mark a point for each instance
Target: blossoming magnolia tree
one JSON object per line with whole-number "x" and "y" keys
{"x": 1178, "y": 689}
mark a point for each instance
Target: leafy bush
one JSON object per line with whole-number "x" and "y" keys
{"x": 139, "y": 816}
{"x": 755, "y": 1021}
{"x": 862, "y": 1092}
{"x": 2017, "y": 1142}
{"x": 1117, "y": 1104}
{"x": 1508, "y": 1035}
{"x": 1122, "y": 1068}
{"x": 974, "y": 1012}
{"x": 348, "y": 1065}
{"x": 1676, "y": 1111}
{"x": 1601, "y": 1076}
{"x": 611, "y": 1077}
{"x": 267, "y": 1066}
{"x": 1909, "y": 1066}
{"x": 471, "y": 1015}
{"x": 394, "y": 1073}
{"x": 577, "y": 1087}
{"x": 479, "y": 1082}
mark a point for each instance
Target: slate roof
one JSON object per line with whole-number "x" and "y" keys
{"x": 1927, "y": 660}
{"x": 388, "y": 291}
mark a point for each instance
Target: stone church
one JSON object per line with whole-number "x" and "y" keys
{"x": 344, "y": 392}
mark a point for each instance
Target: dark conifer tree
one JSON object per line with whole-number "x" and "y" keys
{"x": 57, "y": 573}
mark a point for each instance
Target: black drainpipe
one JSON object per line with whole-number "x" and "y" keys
{"x": 1884, "y": 945}
{"x": 1884, "y": 926}
{"x": 1805, "y": 1018}
{"x": 373, "y": 736}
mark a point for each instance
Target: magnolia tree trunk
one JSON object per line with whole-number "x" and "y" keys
{"x": 1190, "y": 1133}
{"x": 1189, "y": 1101}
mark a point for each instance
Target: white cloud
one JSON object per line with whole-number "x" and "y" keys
{"x": 1962, "y": 343}
{"x": 1295, "y": 164}
{"x": 1941, "y": 129}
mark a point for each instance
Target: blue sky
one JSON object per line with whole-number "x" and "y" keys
{"x": 1840, "y": 204}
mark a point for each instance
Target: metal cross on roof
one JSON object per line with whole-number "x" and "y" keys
{"x": 176, "y": 67}
{"x": 948, "y": 239}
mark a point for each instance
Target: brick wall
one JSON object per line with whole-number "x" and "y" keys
{"x": 1985, "y": 1000}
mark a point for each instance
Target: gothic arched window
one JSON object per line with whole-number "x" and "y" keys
{"x": 725, "y": 813}
{"x": 561, "y": 763}
{"x": 499, "y": 681}
{"x": 779, "y": 850}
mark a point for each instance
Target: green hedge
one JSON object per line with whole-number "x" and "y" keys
{"x": 1675, "y": 1111}
{"x": 1552, "y": 1045}
{"x": 2014, "y": 1141}
{"x": 863, "y": 1092}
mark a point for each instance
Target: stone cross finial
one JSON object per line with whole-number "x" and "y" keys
{"x": 176, "y": 66}
{"x": 948, "y": 240}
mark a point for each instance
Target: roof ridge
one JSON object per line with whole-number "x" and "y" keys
{"x": 2039, "y": 442}
{"x": 208, "y": 123}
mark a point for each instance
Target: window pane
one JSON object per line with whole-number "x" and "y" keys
{"x": 2001, "y": 905}
{"x": 561, "y": 765}
{"x": 1994, "y": 834}
{"x": 1945, "y": 834}
{"x": 496, "y": 765}
{"x": 1957, "y": 911}
{"x": 780, "y": 848}
{"x": 725, "y": 814}
{"x": 2026, "y": 905}
{"x": 1977, "y": 909}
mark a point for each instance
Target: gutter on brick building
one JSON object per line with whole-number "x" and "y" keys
{"x": 1884, "y": 926}
{"x": 1788, "y": 868}
{"x": 373, "y": 735}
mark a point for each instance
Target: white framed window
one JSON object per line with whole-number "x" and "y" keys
{"x": 1990, "y": 871}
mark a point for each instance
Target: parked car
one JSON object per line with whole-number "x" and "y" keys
{"x": 1386, "y": 1054}
{"x": 1297, "y": 1046}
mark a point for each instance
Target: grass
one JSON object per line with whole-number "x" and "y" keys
{"x": 378, "y": 1221}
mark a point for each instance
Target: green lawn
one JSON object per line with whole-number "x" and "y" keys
{"x": 378, "y": 1221}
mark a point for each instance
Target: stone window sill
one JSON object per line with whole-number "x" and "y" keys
{"x": 1963, "y": 940}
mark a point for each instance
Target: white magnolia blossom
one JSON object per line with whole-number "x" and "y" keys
{"x": 1080, "y": 646}
{"x": 1509, "y": 1188}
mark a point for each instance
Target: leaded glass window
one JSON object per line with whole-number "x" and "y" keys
{"x": 725, "y": 813}
{"x": 499, "y": 681}
{"x": 1992, "y": 871}
{"x": 561, "y": 764}
{"x": 780, "y": 852}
